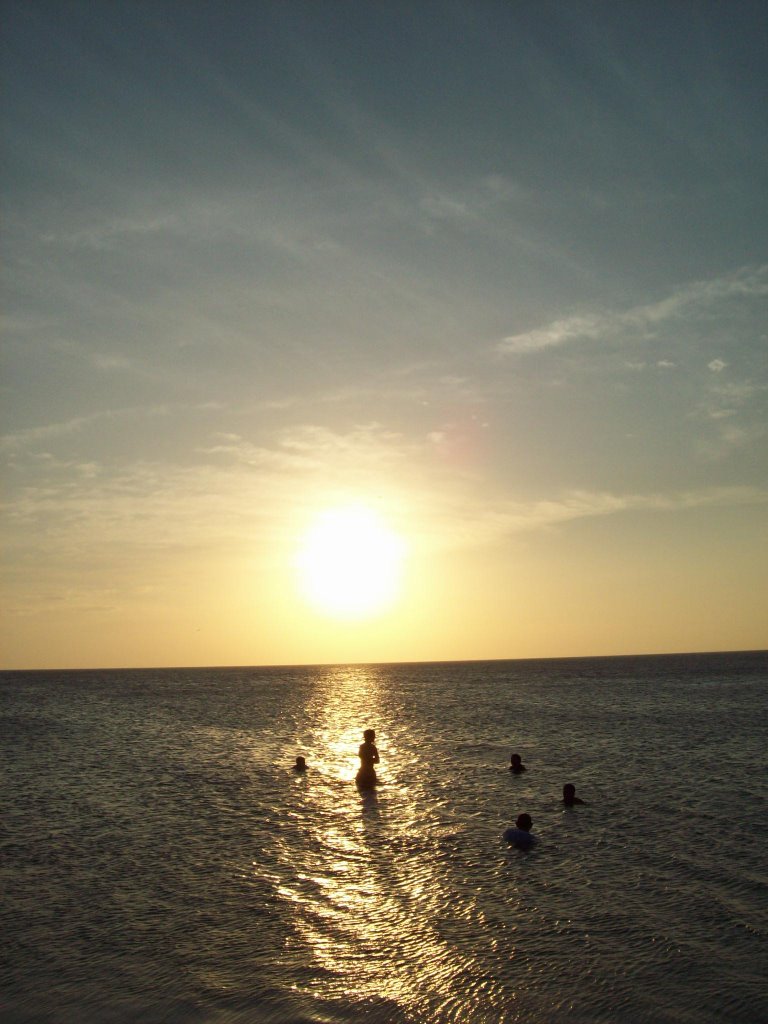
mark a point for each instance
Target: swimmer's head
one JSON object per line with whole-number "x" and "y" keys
{"x": 301, "y": 764}
{"x": 516, "y": 759}
{"x": 569, "y": 793}
{"x": 524, "y": 822}
{"x": 370, "y": 735}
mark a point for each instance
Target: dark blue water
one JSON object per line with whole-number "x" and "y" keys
{"x": 162, "y": 862}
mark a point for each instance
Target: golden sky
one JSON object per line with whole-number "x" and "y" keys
{"x": 368, "y": 337}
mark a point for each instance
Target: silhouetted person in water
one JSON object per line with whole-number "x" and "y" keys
{"x": 520, "y": 836}
{"x": 369, "y": 756}
{"x": 516, "y": 764}
{"x": 301, "y": 764}
{"x": 569, "y": 795}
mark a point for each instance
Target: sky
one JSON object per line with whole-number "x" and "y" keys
{"x": 491, "y": 277}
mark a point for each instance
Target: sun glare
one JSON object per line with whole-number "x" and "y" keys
{"x": 350, "y": 563}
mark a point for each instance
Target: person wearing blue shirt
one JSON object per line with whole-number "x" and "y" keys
{"x": 520, "y": 836}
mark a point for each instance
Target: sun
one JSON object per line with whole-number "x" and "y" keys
{"x": 350, "y": 563}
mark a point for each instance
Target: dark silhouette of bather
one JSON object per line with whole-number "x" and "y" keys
{"x": 516, "y": 764}
{"x": 520, "y": 836}
{"x": 301, "y": 764}
{"x": 369, "y": 756}
{"x": 569, "y": 795}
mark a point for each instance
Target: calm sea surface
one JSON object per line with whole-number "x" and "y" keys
{"x": 162, "y": 861}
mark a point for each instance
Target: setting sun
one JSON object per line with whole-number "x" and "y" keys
{"x": 350, "y": 563}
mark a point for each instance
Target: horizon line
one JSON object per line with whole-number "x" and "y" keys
{"x": 425, "y": 661}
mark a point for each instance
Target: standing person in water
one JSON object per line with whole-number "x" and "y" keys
{"x": 516, "y": 764}
{"x": 369, "y": 756}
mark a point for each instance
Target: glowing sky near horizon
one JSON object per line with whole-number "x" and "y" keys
{"x": 495, "y": 272}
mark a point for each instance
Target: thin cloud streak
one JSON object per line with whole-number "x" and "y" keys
{"x": 21, "y": 439}
{"x": 690, "y": 300}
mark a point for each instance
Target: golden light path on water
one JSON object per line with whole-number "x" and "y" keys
{"x": 366, "y": 873}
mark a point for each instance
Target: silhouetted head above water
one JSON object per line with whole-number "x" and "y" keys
{"x": 569, "y": 795}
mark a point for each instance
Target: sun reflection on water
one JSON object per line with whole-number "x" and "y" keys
{"x": 370, "y": 904}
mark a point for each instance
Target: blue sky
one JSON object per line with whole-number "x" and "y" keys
{"x": 499, "y": 269}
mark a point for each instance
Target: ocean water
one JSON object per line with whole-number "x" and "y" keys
{"x": 161, "y": 861}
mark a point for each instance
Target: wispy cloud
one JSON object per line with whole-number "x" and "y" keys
{"x": 347, "y": 455}
{"x": 113, "y": 232}
{"x": 721, "y": 404}
{"x": 472, "y": 526}
{"x": 236, "y": 482}
{"x": 32, "y": 435}
{"x": 29, "y": 437}
{"x": 687, "y": 301}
